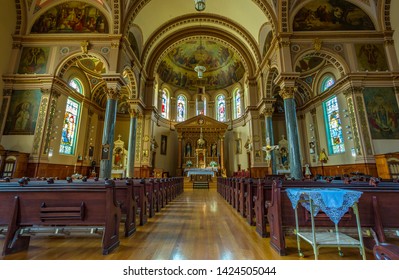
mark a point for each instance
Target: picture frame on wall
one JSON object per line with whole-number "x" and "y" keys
{"x": 164, "y": 143}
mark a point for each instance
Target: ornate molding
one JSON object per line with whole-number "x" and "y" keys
{"x": 113, "y": 93}
{"x": 288, "y": 92}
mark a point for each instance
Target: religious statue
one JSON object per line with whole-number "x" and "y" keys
{"x": 284, "y": 156}
{"x": 213, "y": 150}
{"x": 188, "y": 149}
{"x": 323, "y": 156}
{"x": 268, "y": 148}
{"x": 248, "y": 145}
{"x": 308, "y": 173}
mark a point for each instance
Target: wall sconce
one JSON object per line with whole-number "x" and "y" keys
{"x": 348, "y": 126}
{"x": 353, "y": 152}
{"x": 349, "y": 137}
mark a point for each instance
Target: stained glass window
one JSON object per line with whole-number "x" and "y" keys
{"x": 69, "y": 129}
{"x": 76, "y": 84}
{"x": 334, "y": 129}
{"x": 181, "y": 108}
{"x": 221, "y": 108}
{"x": 327, "y": 82}
{"x": 164, "y": 104}
{"x": 237, "y": 102}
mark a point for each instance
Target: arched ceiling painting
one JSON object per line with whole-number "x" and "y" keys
{"x": 71, "y": 17}
{"x": 329, "y": 15}
{"x": 223, "y": 66}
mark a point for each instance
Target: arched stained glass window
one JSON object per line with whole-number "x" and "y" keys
{"x": 327, "y": 82}
{"x": 181, "y": 108}
{"x": 164, "y": 104}
{"x": 76, "y": 84}
{"x": 237, "y": 104}
{"x": 70, "y": 126}
{"x": 221, "y": 108}
{"x": 333, "y": 124}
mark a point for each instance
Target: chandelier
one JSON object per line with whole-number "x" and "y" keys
{"x": 200, "y": 69}
{"x": 199, "y": 5}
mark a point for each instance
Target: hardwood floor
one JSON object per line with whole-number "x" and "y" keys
{"x": 197, "y": 225}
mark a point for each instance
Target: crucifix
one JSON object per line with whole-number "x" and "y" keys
{"x": 268, "y": 148}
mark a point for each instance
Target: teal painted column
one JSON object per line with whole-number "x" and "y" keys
{"x": 108, "y": 134}
{"x": 269, "y": 133}
{"x": 292, "y": 132}
{"x": 132, "y": 143}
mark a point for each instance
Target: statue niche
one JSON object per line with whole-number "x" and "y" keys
{"x": 119, "y": 161}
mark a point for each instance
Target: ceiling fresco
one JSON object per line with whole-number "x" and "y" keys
{"x": 223, "y": 66}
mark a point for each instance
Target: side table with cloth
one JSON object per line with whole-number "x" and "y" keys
{"x": 334, "y": 203}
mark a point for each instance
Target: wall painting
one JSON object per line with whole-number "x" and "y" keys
{"x": 71, "y": 17}
{"x": 33, "y": 60}
{"x": 371, "y": 57}
{"x": 23, "y": 112}
{"x": 382, "y": 112}
{"x": 331, "y": 15}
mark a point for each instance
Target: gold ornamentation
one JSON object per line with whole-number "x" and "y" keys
{"x": 84, "y": 46}
{"x": 288, "y": 92}
{"x": 317, "y": 44}
{"x": 113, "y": 94}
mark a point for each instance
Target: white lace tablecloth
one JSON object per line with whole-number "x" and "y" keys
{"x": 334, "y": 202}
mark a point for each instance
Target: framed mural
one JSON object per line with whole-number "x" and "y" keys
{"x": 33, "y": 60}
{"x": 23, "y": 112}
{"x": 71, "y": 17}
{"x": 371, "y": 57}
{"x": 382, "y": 112}
{"x": 164, "y": 143}
{"x": 330, "y": 15}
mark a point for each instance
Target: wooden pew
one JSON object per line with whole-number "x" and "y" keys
{"x": 129, "y": 205}
{"x": 378, "y": 209}
{"x": 59, "y": 210}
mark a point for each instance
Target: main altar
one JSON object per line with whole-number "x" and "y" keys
{"x": 200, "y": 147}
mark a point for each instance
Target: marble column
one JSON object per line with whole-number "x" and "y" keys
{"x": 287, "y": 93}
{"x": 268, "y": 112}
{"x": 180, "y": 152}
{"x": 108, "y": 132}
{"x": 131, "y": 153}
{"x": 222, "y": 153}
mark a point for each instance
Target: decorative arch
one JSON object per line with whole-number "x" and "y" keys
{"x": 73, "y": 60}
{"x": 153, "y": 54}
{"x": 130, "y": 79}
{"x": 273, "y": 73}
{"x": 264, "y": 5}
{"x": 334, "y": 59}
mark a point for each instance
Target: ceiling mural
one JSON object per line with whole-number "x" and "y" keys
{"x": 329, "y": 15}
{"x": 71, "y": 17}
{"x": 223, "y": 66}
{"x": 309, "y": 63}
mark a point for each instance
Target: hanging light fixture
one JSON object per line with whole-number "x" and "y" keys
{"x": 200, "y": 69}
{"x": 199, "y": 5}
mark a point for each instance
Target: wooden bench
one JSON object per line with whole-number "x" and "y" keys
{"x": 58, "y": 210}
{"x": 378, "y": 209}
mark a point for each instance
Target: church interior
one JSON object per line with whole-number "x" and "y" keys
{"x": 203, "y": 90}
